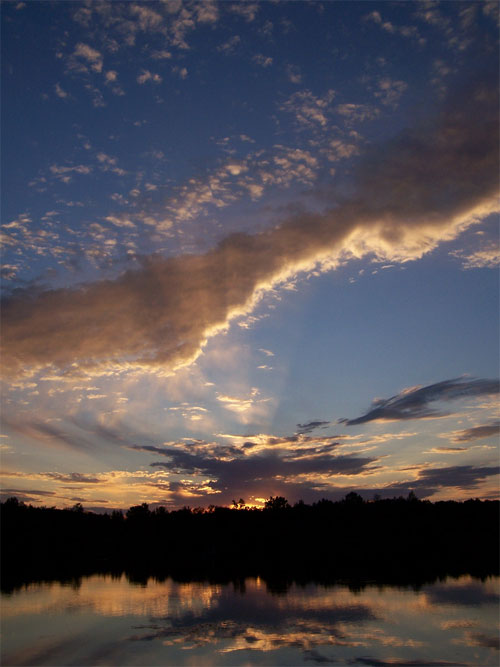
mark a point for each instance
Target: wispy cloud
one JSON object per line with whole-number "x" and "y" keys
{"x": 247, "y": 10}
{"x": 85, "y": 57}
{"x": 62, "y": 94}
{"x": 409, "y": 31}
{"x": 413, "y": 403}
{"x": 389, "y": 90}
{"x": 263, "y": 61}
{"x": 474, "y": 433}
{"x": 146, "y": 76}
{"x": 293, "y": 73}
{"x": 148, "y": 19}
{"x": 308, "y": 109}
{"x": 462, "y": 477}
{"x": 355, "y": 112}
{"x": 311, "y": 426}
{"x": 230, "y": 45}
{"x": 488, "y": 256}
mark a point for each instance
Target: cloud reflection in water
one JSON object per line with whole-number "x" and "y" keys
{"x": 451, "y": 622}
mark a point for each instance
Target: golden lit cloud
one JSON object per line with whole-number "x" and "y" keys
{"x": 428, "y": 189}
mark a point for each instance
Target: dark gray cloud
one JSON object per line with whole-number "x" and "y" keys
{"x": 477, "y": 432}
{"x": 481, "y": 639}
{"x": 429, "y": 482}
{"x": 311, "y": 426}
{"x": 25, "y": 495}
{"x": 432, "y": 480}
{"x": 74, "y": 477}
{"x": 315, "y": 656}
{"x": 395, "y": 662}
{"x": 260, "y": 466}
{"x": 33, "y": 492}
{"x": 267, "y": 472}
{"x": 414, "y": 403}
{"x": 462, "y": 477}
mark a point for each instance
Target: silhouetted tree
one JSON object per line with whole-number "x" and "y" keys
{"x": 137, "y": 512}
{"x": 276, "y": 503}
{"x": 353, "y": 498}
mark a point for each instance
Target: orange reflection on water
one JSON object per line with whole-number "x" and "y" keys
{"x": 110, "y": 596}
{"x": 198, "y": 623}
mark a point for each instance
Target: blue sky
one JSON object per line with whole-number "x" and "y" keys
{"x": 249, "y": 249}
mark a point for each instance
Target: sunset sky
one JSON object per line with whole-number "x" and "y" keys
{"x": 249, "y": 249}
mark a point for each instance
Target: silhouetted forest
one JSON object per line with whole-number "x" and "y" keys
{"x": 389, "y": 539}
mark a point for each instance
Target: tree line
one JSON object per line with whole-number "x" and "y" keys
{"x": 350, "y": 536}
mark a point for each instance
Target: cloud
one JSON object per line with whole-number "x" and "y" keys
{"x": 148, "y": 19}
{"x": 486, "y": 257}
{"x": 181, "y": 72}
{"x": 247, "y": 10}
{"x": 389, "y": 91}
{"x": 49, "y": 433}
{"x": 308, "y": 109}
{"x": 475, "y": 433}
{"x": 293, "y": 73}
{"x": 492, "y": 10}
{"x": 337, "y": 149}
{"x": 230, "y": 45}
{"x": 111, "y": 75}
{"x": 240, "y": 405}
{"x": 73, "y": 477}
{"x": 70, "y": 478}
{"x": 263, "y": 61}
{"x": 356, "y": 112}
{"x": 413, "y": 403}
{"x": 25, "y": 495}
{"x": 146, "y": 75}
{"x": 207, "y": 11}
{"x": 447, "y": 450}
{"x": 311, "y": 426}
{"x": 84, "y": 52}
{"x": 429, "y": 480}
{"x": 60, "y": 92}
{"x": 64, "y": 173}
{"x": 388, "y": 26}
{"x": 271, "y": 469}
{"x": 482, "y": 639}
{"x": 161, "y": 55}
{"x": 434, "y": 181}
{"x": 395, "y": 662}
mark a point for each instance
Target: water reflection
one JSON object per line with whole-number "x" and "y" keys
{"x": 109, "y": 620}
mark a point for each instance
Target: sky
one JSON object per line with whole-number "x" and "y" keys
{"x": 249, "y": 249}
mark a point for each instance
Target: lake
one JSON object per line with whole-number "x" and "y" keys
{"x": 112, "y": 620}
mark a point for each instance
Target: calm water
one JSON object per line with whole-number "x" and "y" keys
{"x": 103, "y": 620}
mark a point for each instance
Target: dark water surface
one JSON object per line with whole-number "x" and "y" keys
{"x": 110, "y": 620}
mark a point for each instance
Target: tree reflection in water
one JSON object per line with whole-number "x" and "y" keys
{"x": 111, "y": 619}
